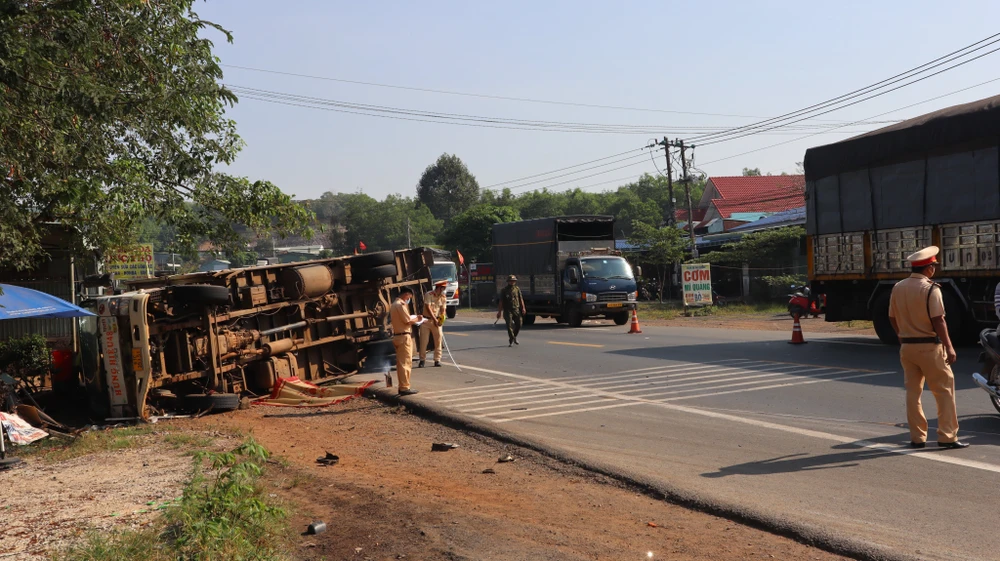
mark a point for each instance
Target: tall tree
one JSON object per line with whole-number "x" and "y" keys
{"x": 659, "y": 248}
{"x": 751, "y": 172}
{"x": 382, "y": 225}
{"x": 111, "y": 112}
{"x": 541, "y": 204}
{"x": 471, "y": 232}
{"x": 447, "y": 188}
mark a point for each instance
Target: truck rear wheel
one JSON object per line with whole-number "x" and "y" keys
{"x": 370, "y": 260}
{"x": 451, "y": 311}
{"x": 374, "y": 273}
{"x": 213, "y": 401}
{"x": 880, "y": 319}
{"x": 529, "y": 319}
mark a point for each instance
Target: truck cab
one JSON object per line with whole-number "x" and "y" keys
{"x": 597, "y": 284}
{"x": 447, "y": 271}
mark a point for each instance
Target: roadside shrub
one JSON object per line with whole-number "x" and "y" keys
{"x": 26, "y": 359}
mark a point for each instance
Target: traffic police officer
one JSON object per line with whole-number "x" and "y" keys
{"x": 916, "y": 311}
{"x": 435, "y": 304}
{"x": 512, "y": 305}
{"x": 402, "y": 322}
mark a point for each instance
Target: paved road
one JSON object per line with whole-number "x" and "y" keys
{"x": 813, "y": 433}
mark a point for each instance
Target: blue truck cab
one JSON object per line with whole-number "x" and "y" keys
{"x": 567, "y": 268}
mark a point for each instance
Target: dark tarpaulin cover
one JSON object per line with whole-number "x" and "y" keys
{"x": 947, "y": 127}
{"x": 529, "y": 247}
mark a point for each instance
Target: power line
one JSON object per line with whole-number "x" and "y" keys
{"x": 561, "y": 169}
{"x": 862, "y": 91}
{"x": 583, "y": 177}
{"x": 849, "y": 124}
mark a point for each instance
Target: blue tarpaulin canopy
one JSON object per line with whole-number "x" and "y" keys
{"x": 19, "y": 302}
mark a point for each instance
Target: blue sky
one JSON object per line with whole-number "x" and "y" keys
{"x": 759, "y": 59}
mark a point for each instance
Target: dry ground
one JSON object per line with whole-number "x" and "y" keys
{"x": 390, "y": 496}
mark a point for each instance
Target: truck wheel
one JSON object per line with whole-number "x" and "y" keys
{"x": 621, "y": 319}
{"x": 373, "y": 260}
{"x": 880, "y": 319}
{"x": 213, "y": 401}
{"x": 573, "y": 316}
{"x": 451, "y": 311}
{"x": 373, "y": 273}
{"x": 529, "y": 319}
{"x": 205, "y": 294}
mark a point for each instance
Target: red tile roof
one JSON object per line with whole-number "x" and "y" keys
{"x": 743, "y": 187}
{"x": 682, "y": 214}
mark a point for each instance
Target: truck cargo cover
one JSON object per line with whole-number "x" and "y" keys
{"x": 528, "y": 247}
{"x": 947, "y": 127}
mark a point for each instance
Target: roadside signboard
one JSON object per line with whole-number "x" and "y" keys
{"x": 482, "y": 272}
{"x": 130, "y": 262}
{"x": 696, "y": 280}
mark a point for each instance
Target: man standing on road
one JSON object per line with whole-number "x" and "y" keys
{"x": 512, "y": 305}
{"x": 435, "y": 304}
{"x": 402, "y": 322}
{"x": 916, "y": 311}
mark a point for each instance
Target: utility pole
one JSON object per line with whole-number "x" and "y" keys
{"x": 687, "y": 191}
{"x": 672, "y": 219}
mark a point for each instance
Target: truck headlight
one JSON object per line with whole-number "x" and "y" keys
{"x": 632, "y": 296}
{"x": 590, "y": 297}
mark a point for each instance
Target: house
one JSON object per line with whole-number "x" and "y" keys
{"x": 730, "y": 202}
{"x": 791, "y": 217}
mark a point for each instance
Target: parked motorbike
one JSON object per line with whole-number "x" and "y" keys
{"x": 990, "y": 359}
{"x": 802, "y": 304}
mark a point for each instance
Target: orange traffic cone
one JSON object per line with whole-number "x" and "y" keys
{"x": 635, "y": 324}
{"x": 797, "y": 332}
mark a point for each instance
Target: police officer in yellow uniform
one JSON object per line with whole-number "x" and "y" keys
{"x": 435, "y": 305}
{"x": 916, "y": 311}
{"x": 402, "y": 322}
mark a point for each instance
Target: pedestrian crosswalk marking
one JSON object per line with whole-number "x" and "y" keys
{"x": 530, "y": 398}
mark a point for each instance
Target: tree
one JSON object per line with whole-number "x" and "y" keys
{"x": 751, "y": 172}
{"x": 768, "y": 248}
{"x": 472, "y": 231}
{"x": 112, "y": 112}
{"x": 660, "y": 248}
{"x": 382, "y": 225}
{"x": 541, "y": 204}
{"x": 447, "y": 188}
{"x": 629, "y": 210}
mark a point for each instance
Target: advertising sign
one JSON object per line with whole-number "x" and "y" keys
{"x": 112, "y": 353}
{"x": 130, "y": 262}
{"x": 696, "y": 280}
{"x": 482, "y": 272}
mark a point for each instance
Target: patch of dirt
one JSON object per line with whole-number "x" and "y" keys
{"x": 46, "y": 506}
{"x": 391, "y": 497}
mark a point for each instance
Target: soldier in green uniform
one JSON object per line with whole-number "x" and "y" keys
{"x": 511, "y": 304}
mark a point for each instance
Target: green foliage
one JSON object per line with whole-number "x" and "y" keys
{"x": 447, "y": 188}
{"x": 113, "y": 112}
{"x": 769, "y": 248}
{"x": 471, "y": 232}
{"x": 779, "y": 282}
{"x": 659, "y": 248}
{"x": 382, "y": 225}
{"x": 223, "y": 514}
{"x": 239, "y": 259}
{"x": 751, "y": 172}
{"x": 540, "y": 204}
{"x": 25, "y": 358}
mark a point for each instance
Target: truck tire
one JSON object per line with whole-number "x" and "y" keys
{"x": 373, "y": 273}
{"x": 880, "y": 319}
{"x": 621, "y": 319}
{"x": 213, "y": 401}
{"x": 370, "y": 260}
{"x": 529, "y": 319}
{"x": 451, "y": 311}
{"x": 573, "y": 316}
{"x": 204, "y": 294}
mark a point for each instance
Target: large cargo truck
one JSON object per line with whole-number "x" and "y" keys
{"x": 444, "y": 269}
{"x": 873, "y": 199}
{"x": 567, "y": 268}
{"x": 201, "y": 340}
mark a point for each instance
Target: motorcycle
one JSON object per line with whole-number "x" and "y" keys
{"x": 990, "y": 359}
{"x": 802, "y": 304}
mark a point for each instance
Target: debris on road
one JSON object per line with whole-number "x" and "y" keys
{"x": 505, "y": 459}
{"x": 443, "y": 446}
{"x": 328, "y": 460}
{"x": 317, "y": 527}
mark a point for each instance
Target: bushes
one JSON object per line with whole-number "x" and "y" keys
{"x": 25, "y": 359}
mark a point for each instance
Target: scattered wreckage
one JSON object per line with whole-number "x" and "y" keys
{"x": 200, "y": 341}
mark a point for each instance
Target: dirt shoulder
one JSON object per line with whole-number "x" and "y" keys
{"x": 391, "y": 497}
{"x": 750, "y": 321}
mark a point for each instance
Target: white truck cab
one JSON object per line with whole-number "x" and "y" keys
{"x": 447, "y": 271}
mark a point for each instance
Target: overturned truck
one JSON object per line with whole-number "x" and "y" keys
{"x": 199, "y": 341}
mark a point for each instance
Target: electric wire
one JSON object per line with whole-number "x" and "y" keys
{"x": 945, "y": 59}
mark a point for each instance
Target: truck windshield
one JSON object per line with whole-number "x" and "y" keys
{"x": 444, "y": 271}
{"x": 606, "y": 268}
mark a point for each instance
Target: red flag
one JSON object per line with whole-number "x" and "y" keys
{"x": 461, "y": 260}
{"x": 362, "y": 245}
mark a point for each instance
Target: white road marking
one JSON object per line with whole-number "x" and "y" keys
{"x": 684, "y": 373}
{"x": 651, "y": 368}
{"x": 490, "y": 415}
{"x": 523, "y": 390}
{"x": 835, "y": 342}
{"x": 902, "y": 450}
{"x": 472, "y": 389}
{"x": 567, "y": 394}
{"x": 457, "y": 321}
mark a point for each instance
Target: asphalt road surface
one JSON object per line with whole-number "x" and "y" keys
{"x": 814, "y": 433}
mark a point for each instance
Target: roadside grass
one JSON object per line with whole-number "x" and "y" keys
{"x": 224, "y": 513}
{"x": 54, "y": 449}
{"x": 674, "y": 309}
{"x": 191, "y": 443}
